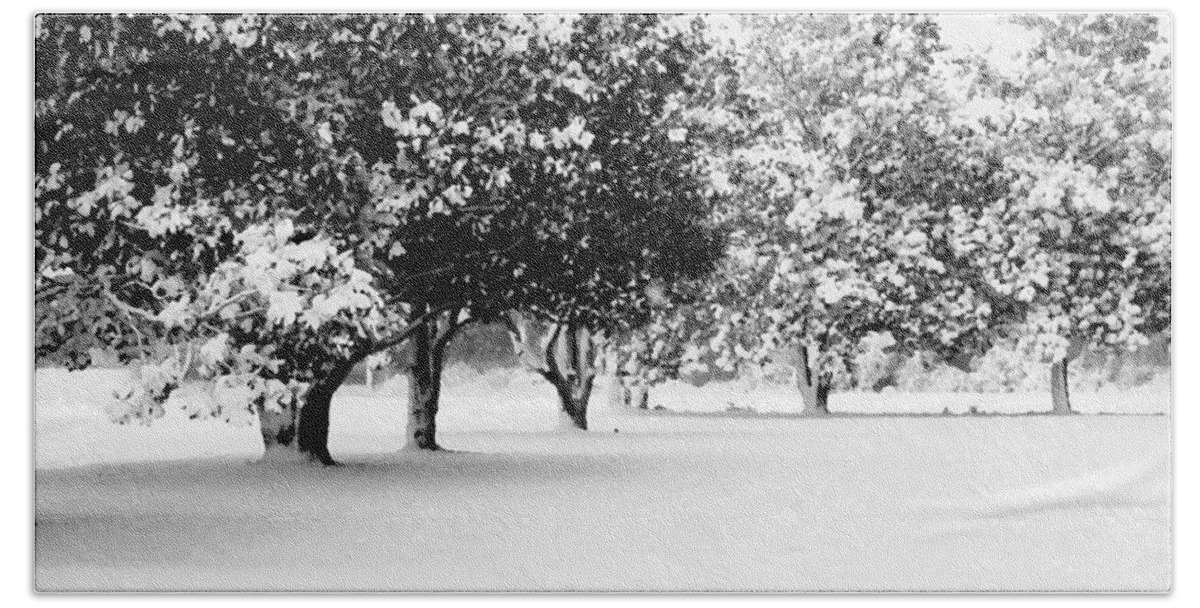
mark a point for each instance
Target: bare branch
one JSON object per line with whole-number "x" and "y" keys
{"x": 455, "y": 325}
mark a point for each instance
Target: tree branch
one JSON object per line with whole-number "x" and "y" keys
{"x": 455, "y": 326}
{"x": 375, "y": 346}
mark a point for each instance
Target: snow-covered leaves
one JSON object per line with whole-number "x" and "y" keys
{"x": 840, "y": 206}
{"x": 909, "y": 191}
{"x": 302, "y": 185}
{"x": 307, "y": 283}
{"x": 275, "y": 302}
{"x": 1084, "y": 237}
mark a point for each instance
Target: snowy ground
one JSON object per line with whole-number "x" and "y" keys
{"x": 675, "y": 500}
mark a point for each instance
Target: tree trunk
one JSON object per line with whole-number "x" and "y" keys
{"x": 625, "y": 391}
{"x": 571, "y": 369}
{"x": 1060, "y": 389}
{"x": 574, "y": 402}
{"x": 634, "y": 392}
{"x": 891, "y": 370}
{"x": 567, "y": 360}
{"x": 424, "y": 390}
{"x": 1060, "y": 394}
{"x": 313, "y": 439}
{"x": 814, "y": 387}
{"x": 815, "y": 397}
{"x": 425, "y": 379}
{"x": 302, "y": 434}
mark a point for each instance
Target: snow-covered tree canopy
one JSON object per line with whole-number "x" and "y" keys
{"x": 267, "y": 200}
{"x": 640, "y": 214}
{"x": 839, "y": 226}
{"x": 1084, "y": 133}
{"x": 895, "y": 187}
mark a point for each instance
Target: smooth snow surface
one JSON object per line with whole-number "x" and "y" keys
{"x": 673, "y": 501}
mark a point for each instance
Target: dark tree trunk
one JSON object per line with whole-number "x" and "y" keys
{"x": 574, "y": 402}
{"x": 634, "y": 393}
{"x": 814, "y": 387}
{"x": 570, "y": 367}
{"x": 302, "y": 433}
{"x": 313, "y": 438}
{"x": 424, "y": 388}
{"x": 567, "y": 359}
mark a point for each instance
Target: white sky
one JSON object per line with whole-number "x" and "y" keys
{"x": 988, "y": 33}
{"x": 991, "y": 34}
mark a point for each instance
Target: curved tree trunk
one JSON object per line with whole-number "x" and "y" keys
{"x": 313, "y": 436}
{"x": 570, "y": 367}
{"x": 567, "y": 358}
{"x": 573, "y": 398}
{"x": 302, "y": 433}
{"x": 1060, "y": 388}
{"x": 574, "y": 401}
{"x": 814, "y": 387}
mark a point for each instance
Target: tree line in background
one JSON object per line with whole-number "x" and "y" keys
{"x": 266, "y": 202}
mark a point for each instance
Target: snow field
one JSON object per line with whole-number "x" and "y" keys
{"x": 670, "y": 502}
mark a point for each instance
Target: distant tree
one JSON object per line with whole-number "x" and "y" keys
{"x": 838, "y": 221}
{"x": 1081, "y": 242}
{"x": 669, "y": 345}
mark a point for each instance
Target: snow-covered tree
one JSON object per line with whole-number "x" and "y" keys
{"x": 670, "y": 345}
{"x": 838, "y": 224}
{"x": 163, "y": 157}
{"x": 640, "y": 218}
{"x": 1081, "y": 242}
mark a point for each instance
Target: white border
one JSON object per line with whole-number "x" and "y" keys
{"x": 17, "y": 233}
